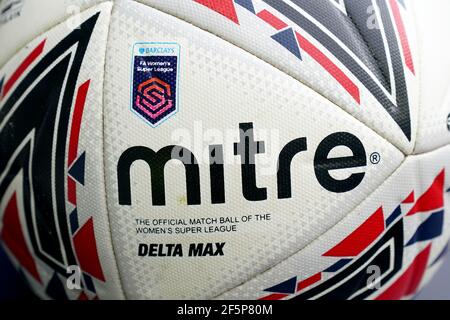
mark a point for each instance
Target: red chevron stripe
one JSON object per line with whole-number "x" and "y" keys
{"x": 13, "y": 237}
{"x": 329, "y": 65}
{"x": 309, "y": 282}
{"x": 23, "y": 67}
{"x": 275, "y": 296}
{"x": 432, "y": 199}
{"x": 410, "y": 280}
{"x": 403, "y": 35}
{"x": 361, "y": 238}
{"x": 76, "y": 122}
{"x": 86, "y": 248}
{"x": 272, "y": 20}
{"x": 71, "y": 191}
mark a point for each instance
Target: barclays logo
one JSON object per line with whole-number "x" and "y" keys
{"x": 157, "y": 51}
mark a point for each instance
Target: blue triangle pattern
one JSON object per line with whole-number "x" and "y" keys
{"x": 89, "y": 283}
{"x": 338, "y": 265}
{"x": 78, "y": 168}
{"x": 247, "y": 4}
{"x": 430, "y": 229}
{"x": 287, "y": 287}
{"x": 73, "y": 218}
{"x": 394, "y": 215}
{"x": 55, "y": 289}
{"x": 288, "y": 40}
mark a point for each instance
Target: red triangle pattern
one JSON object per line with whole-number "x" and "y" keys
{"x": 224, "y": 7}
{"x": 274, "y": 296}
{"x": 361, "y": 238}
{"x": 433, "y": 198}
{"x": 410, "y": 199}
{"x": 309, "y": 282}
{"x": 409, "y": 281}
{"x": 83, "y": 297}
{"x": 86, "y": 249}
{"x": 14, "y": 239}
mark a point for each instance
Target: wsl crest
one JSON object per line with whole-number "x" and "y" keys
{"x": 155, "y": 81}
{"x": 154, "y": 98}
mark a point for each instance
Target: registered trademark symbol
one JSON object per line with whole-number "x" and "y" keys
{"x": 375, "y": 158}
{"x": 448, "y": 122}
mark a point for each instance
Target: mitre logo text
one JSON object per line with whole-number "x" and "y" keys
{"x": 246, "y": 150}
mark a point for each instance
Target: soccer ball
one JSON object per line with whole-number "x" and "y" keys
{"x": 228, "y": 149}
